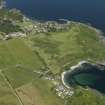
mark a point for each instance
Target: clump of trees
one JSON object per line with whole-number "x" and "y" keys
{"x": 8, "y": 20}
{"x": 86, "y": 97}
{"x": 7, "y": 27}
{"x": 13, "y": 14}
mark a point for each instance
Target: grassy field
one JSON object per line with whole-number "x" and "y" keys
{"x": 17, "y": 63}
{"x": 63, "y": 49}
{"x": 86, "y": 97}
{"x": 15, "y": 52}
{"x": 7, "y": 97}
{"x": 57, "y": 51}
{"x": 39, "y": 94}
{"x": 21, "y": 60}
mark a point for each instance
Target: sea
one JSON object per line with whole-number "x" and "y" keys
{"x": 85, "y": 11}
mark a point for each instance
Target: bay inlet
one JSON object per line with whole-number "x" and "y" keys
{"x": 85, "y": 74}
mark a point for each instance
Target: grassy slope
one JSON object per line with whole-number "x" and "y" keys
{"x": 64, "y": 49}
{"x": 59, "y": 51}
{"x": 17, "y": 62}
{"x": 14, "y": 52}
{"x": 6, "y": 95}
{"x": 40, "y": 93}
{"x": 86, "y": 97}
{"x": 67, "y": 48}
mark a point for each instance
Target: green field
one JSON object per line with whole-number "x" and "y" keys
{"x": 53, "y": 51}
{"x": 17, "y": 63}
{"x": 15, "y": 52}
{"x": 63, "y": 49}
{"x": 7, "y": 96}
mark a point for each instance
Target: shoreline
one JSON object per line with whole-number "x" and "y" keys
{"x": 72, "y": 68}
{"x": 62, "y": 78}
{"x": 98, "y": 31}
{"x": 68, "y": 21}
{"x": 2, "y": 4}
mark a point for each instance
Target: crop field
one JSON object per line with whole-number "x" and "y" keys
{"x": 35, "y": 93}
{"x": 18, "y": 77}
{"x": 7, "y": 96}
{"x": 22, "y": 61}
{"x": 13, "y": 55}
{"x": 19, "y": 84}
{"x": 15, "y": 52}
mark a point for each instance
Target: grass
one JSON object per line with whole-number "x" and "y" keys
{"x": 6, "y": 95}
{"x": 18, "y": 76}
{"x": 15, "y": 52}
{"x": 9, "y": 20}
{"x": 46, "y": 92}
{"x": 63, "y": 49}
{"x": 7, "y": 26}
{"x": 29, "y": 95}
{"x": 86, "y": 97}
{"x": 57, "y": 51}
{"x": 17, "y": 62}
{"x": 39, "y": 95}
{"x": 10, "y": 15}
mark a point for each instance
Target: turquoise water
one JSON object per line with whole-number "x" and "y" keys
{"x": 84, "y": 76}
{"x": 86, "y": 79}
{"x": 89, "y": 11}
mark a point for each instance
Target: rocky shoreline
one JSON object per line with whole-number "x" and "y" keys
{"x": 2, "y": 4}
{"x": 70, "y": 71}
{"x": 85, "y": 67}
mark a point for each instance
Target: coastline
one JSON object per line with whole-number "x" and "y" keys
{"x": 72, "y": 68}
{"x": 62, "y": 78}
{"x": 2, "y": 4}
{"x": 68, "y": 21}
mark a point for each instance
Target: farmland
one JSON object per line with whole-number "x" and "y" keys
{"x": 31, "y": 66}
{"x": 61, "y": 50}
{"x": 17, "y": 66}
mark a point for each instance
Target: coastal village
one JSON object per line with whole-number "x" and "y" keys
{"x": 35, "y": 57}
{"x": 32, "y": 27}
{"x": 36, "y": 27}
{"x": 61, "y": 90}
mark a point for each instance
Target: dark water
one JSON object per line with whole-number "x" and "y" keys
{"x": 89, "y": 11}
{"x": 90, "y": 76}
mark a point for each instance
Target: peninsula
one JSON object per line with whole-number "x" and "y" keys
{"x": 34, "y": 54}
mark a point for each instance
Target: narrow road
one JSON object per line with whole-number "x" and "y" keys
{"x": 10, "y": 86}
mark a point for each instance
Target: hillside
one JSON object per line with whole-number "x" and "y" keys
{"x": 34, "y": 54}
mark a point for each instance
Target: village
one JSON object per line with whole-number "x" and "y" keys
{"x": 31, "y": 27}
{"x": 59, "y": 88}
{"x": 36, "y": 27}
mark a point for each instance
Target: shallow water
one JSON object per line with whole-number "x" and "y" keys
{"x": 91, "y": 76}
{"x": 89, "y": 11}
